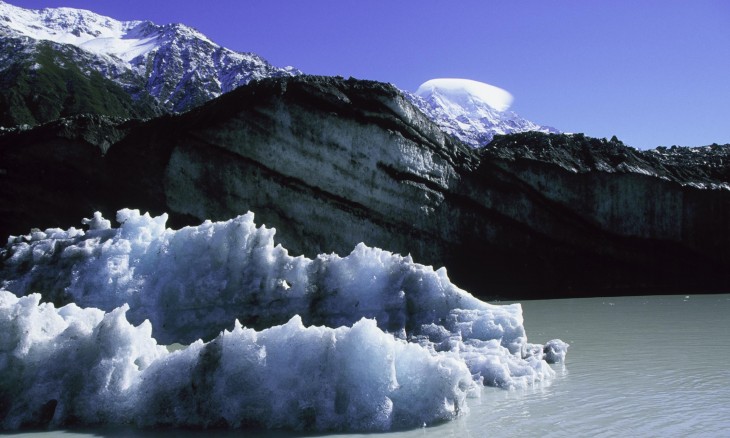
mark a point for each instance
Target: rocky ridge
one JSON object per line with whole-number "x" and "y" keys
{"x": 701, "y": 167}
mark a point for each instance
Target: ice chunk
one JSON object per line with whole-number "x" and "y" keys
{"x": 68, "y": 363}
{"x": 97, "y": 222}
{"x": 370, "y": 341}
{"x": 83, "y": 366}
{"x": 192, "y": 283}
{"x": 319, "y": 378}
{"x": 555, "y": 351}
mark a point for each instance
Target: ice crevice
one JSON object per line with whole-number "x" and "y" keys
{"x": 367, "y": 342}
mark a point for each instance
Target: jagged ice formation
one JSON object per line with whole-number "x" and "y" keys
{"x": 383, "y": 342}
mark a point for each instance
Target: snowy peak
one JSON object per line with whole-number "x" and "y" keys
{"x": 77, "y": 27}
{"x": 472, "y": 111}
{"x": 175, "y": 64}
{"x": 465, "y": 93}
{"x": 180, "y": 68}
{"x": 125, "y": 40}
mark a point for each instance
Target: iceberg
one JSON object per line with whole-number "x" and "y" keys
{"x": 367, "y": 342}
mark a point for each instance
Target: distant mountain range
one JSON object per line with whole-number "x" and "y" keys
{"x": 62, "y": 62}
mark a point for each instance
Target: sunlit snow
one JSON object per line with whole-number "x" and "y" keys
{"x": 125, "y": 40}
{"x": 473, "y": 112}
{"x": 85, "y": 29}
{"x": 464, "y": 92}
{"x": 369, "y": 342}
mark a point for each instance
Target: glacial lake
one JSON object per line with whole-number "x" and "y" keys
{"x": 637, "y": 366}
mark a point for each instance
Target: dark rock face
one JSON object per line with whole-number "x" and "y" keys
{"x": 332, "y": 162}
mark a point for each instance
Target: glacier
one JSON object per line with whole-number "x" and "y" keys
{"x": 367, "y": 342}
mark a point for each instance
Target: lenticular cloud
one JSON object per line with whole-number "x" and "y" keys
{"x": 371, "y": 341}
{"x": 462, "y": 90}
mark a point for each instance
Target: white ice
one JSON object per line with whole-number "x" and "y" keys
{"x": 83, "y": 366}
{"x": 370, "y": 341}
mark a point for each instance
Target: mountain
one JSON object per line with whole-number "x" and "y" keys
{"x": 41, "y": 81}
{"x": 60, "y": 62}
{"x": 332, "y": 162}
{"x": 472, "y": 111}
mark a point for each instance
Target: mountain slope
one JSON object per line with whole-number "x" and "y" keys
{"x": 174, "y": 68}
{"x": 175, "y": 65}
{"x": 53, "y": 81}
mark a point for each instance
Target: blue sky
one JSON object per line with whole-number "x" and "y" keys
{"x": 650, "y": 72}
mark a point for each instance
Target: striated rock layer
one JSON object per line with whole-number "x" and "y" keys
{"x": 333, "y": 162}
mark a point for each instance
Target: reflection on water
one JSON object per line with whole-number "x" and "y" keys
{"x": 639, "y": 366}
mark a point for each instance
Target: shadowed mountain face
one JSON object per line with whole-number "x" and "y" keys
{"x": 332, "y": 162}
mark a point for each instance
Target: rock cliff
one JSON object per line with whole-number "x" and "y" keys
{"x": 332, "y": 162}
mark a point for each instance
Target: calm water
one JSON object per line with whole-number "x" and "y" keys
{"x": 637, "y": 366}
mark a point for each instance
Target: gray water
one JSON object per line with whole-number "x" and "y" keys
{"x": 637, "y": 366}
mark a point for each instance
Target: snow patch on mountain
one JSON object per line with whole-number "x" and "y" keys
{"x": 472, "y": 111}
{"x": 84, "y": 29}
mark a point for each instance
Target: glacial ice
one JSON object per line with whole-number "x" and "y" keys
{"x": 370, "y": 342}
{"x": 83, "y": 366}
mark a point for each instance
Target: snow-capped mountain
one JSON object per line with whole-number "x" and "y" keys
{"x": 177, "y": 65}
{"x": 173, "y": 68}
{"x": 472, "y": 111}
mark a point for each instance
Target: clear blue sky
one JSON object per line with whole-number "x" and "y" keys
{"x": 651, "y": 72}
